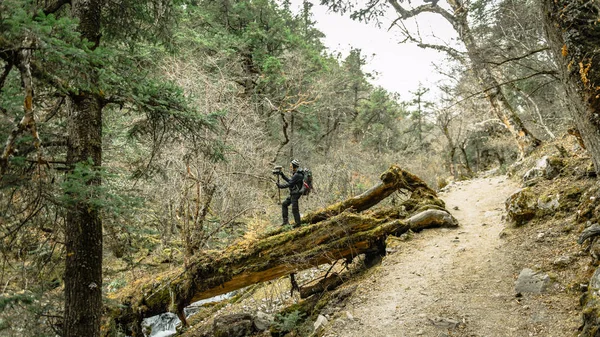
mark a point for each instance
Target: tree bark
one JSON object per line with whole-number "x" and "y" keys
{"x": 83, "y": 231}
{"x": 342, "y": 236}
{"x": 573, "y": 35}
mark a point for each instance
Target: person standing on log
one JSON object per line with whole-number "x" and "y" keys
{"x": 294, "y": 184}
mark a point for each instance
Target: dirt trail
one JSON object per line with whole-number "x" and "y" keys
{"x": 456, "y": 282}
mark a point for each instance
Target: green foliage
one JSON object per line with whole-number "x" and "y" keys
{"x": 116, "y": 284}
{"x": 10, "y": 300}
{"x": 289, "y": 322}
{"x": 28, "y": 314}
{"x": 82, "y": 186}
{"x": 378, "y": 119}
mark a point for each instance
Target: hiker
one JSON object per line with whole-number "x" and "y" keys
{"x": 294, "y": 184}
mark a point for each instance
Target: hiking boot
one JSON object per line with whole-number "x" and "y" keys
{"x": 296, "y": 225}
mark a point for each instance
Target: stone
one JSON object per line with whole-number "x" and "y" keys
{"x": 263, "y": 321}
{"x": 546, "y": 167}
{"x": 531, "y": 282}
{"x": 548, "y": 203}
{"x": 442, "y": 322}
{"x": 235, "y": 325}
{"x": 521, "y": 206}
{"x": 161, "y": 324}
{"x": 320, "y": 323}
{"x": 562, "y": 261}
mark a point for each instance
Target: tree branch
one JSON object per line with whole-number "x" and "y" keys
{"x": 60, "y": 84}
{"x": 406, "y": 14}
{"x": 446, "y": 49}
{"x": 449, "y": 50}
{"x": 55, "y": 6}
{"x": 518, "y": 57}
{"x": 548, "y": 72}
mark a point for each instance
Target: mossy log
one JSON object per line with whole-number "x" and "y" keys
{"x": 342, "y": 236}
{"x": 392, "y": 180}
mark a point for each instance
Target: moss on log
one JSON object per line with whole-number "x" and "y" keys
{"x": 342, "y": 236}
{"x": 392, "y": 180}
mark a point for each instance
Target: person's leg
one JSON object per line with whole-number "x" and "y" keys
{"x": 284, "y": 210}
{"x": 296, "y": 209}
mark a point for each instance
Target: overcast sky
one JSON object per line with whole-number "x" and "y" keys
{"x": 400, "y": 67}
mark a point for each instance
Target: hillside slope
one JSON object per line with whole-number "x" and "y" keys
{"x": 461, "y": 282}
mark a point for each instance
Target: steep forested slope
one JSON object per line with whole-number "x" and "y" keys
{"x": 137, "y": 135}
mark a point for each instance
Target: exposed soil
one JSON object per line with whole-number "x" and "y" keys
{"x": 461, "y": 282}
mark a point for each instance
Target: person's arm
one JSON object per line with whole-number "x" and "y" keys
{"x": 290, "y": 182}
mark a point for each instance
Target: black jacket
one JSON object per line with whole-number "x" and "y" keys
{"x": 295, "y": 183}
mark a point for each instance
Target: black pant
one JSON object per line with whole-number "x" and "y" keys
{"x": 292, "y": 199}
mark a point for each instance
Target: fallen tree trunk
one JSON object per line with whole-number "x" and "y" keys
{"x": 343, "y": 236}
{"x": 326, "y": 284}
{"x": 392, "y": 180}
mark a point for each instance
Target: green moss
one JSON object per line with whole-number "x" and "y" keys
{"x": 570, "y": 198}
{"x": 522, "y": 206}
{"x": 573, "y": 193}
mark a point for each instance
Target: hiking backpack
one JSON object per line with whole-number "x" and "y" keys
{"x": 307, "y": 182}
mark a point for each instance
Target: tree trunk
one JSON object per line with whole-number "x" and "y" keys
{"x": 452, "y": 163}
{"x": 526, "y": 142}
{"x": 392, "y": 180}
{"x": 463, "y": 150}
{"x": 83, "y": 231}
{"x": 573, "y": 36}
{"x": 342, "y": 236}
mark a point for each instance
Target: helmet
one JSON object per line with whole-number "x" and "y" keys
{"x": 295, "y": 163}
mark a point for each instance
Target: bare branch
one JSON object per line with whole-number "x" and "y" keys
{"x": 419, "y": 42}
{"x": 55, "y": 109}
{"x": 450, "y": 51}
{"x": 518, "y": 57}
{"x": 549, "y": 72}
{"x": 406, "y": 14}
{"x": 286, "y": 140}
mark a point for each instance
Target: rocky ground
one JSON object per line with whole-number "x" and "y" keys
{"x": 462, "y": 282}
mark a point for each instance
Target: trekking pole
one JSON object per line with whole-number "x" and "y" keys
{"x": 277, "y": 171}
{"x": 278, "y": 191}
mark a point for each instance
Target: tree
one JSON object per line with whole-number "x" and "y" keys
{"x": 83, "y": 55}
{"x": 573, "y": 36}
{"x": 378, "y": 122}
{"x": 459, "y": 19}
{"x": 514, "y": 44}
{"x": 419, "y": 113}
{"x": 83, "y": 226}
